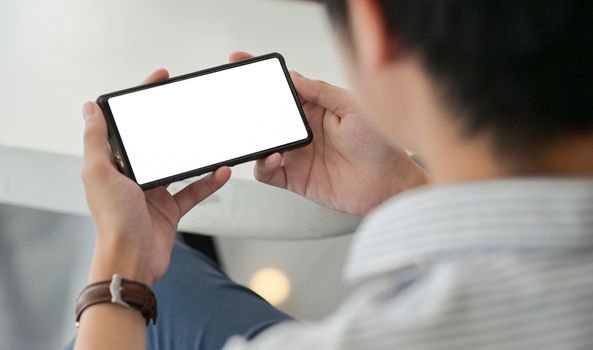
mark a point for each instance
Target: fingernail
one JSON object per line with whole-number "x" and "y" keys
{"x": 88, "y": 110}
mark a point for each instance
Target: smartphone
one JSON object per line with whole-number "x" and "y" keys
{"x": 193, "y": 124}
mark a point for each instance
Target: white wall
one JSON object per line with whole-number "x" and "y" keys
{"x": 55, "y": 54}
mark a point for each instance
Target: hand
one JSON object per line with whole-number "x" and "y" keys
{"x": 135, "y": 229}
{"x": 348, "y": 166}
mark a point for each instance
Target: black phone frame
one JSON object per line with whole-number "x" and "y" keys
{"x": 119, "y": 151}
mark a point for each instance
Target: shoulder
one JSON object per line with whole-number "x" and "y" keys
{"x": 461, "y": 303}
{"x": 474, "y": 302}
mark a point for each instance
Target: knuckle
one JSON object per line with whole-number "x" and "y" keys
{"x": 94, "y": 129}
{"x": 320, "y": 87}
{"x": 257, "y": 170}
{"x": 209, "y": 185}
{"x": 83, "y": 175}
{"x": 321, "y": 84}
{"x": 256, "y": 174}
{"x": 261, "y": 174}
{"x": 90, "y": 131}
{"x": 195, "y": 192}
{"x": 94, "y": 169}
{"x": 86, "y": 176}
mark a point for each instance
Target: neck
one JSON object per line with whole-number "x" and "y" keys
{"x": 572, "y": 156}
{"x": 451, "y": 156}
{"x": 475, "y": 161}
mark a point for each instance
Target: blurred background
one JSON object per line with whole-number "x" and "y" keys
{"x": 56, "y": 54}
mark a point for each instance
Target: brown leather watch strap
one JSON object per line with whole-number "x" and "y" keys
{"x": 119, "y": 291}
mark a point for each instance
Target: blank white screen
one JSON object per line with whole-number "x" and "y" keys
{"x": 189, "y": 124}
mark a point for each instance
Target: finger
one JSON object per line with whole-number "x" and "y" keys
{"x": 331, "y": 97}
{"x": 96, "y": 146}
{"x": 270, "y": 171}
{"x": 238, "y": 56}
{"x": 157, "y": 75}
{"x": 296, "y": 75}
{"x": 193, "y": 194}
{"x": 273, "y": 161}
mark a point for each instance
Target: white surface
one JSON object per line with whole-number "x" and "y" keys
{"x": 242, "y": 208}
{"x": 57, "y": 54}
{"x": 190, "y": 124}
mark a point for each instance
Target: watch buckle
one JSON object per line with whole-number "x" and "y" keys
{"x": 115, "y": 289}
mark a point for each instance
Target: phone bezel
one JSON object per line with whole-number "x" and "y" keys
{"x": 119, "y": 151}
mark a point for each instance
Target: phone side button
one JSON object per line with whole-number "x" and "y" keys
{"x": 119, "y": 161}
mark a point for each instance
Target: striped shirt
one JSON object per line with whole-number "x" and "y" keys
{"x": 493, "y": 265}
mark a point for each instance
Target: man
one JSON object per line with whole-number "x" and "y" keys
{"x": 495, "y": 252}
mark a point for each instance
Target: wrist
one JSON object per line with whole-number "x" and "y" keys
{"x": 109, "y": 259}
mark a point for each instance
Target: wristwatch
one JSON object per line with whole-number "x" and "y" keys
{"x": 119, "y": 291}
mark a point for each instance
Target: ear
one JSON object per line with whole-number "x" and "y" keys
{"x": 372, "y": 40}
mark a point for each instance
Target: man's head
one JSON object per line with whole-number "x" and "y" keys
{"x": 515, "y": 76}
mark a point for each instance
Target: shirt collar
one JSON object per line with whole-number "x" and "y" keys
{"x": 543, "y": 215}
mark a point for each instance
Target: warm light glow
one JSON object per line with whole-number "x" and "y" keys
{"x": 272, "y": 284}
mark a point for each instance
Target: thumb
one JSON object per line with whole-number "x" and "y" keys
{"x": 96, "y": 147}
{"x": 331, "y": 97}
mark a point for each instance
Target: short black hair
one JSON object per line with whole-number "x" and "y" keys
{"x": 521, "y": 70}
